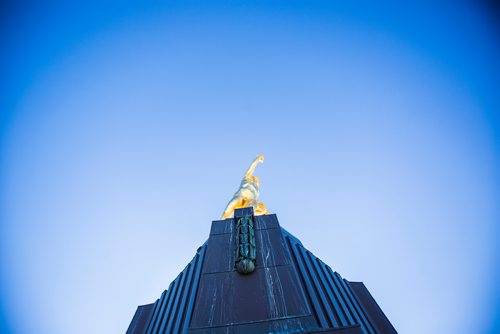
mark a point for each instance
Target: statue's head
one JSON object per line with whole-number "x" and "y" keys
{"x": 254, "y": 180}
{"x": 260, "y": 158}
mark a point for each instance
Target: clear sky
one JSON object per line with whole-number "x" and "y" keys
{"x": 125, "y": 129}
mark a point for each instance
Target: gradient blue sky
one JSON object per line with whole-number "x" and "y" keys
{"x": 125, "y": 129}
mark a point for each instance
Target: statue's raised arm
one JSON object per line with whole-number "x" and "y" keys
{"x": 248, "y": 193}
{"x": 251, "y": 169}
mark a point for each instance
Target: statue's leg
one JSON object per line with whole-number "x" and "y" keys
{"x": 261, "y": 209}
{"x": 228, "y": 212}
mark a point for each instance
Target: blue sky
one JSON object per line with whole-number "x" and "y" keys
{"x": 125, "y": 129}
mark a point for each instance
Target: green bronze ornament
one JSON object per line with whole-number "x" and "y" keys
{"x": 245, "y": 243}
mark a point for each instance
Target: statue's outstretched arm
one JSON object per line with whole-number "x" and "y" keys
{"x": 251, "y": 169}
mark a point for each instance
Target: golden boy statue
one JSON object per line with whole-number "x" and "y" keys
{"x": 248, "y": 193}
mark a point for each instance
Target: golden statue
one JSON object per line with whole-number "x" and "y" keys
{"x": 248, "y": 193}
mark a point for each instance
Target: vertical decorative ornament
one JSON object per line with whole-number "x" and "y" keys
{"x": 245, "y": 240}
